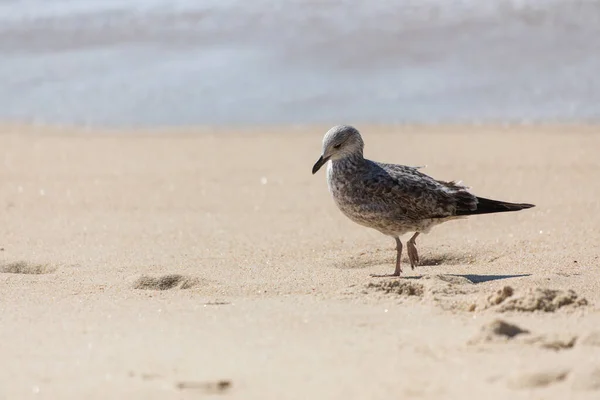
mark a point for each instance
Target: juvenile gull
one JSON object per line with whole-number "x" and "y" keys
{"x": 394, "y": 199}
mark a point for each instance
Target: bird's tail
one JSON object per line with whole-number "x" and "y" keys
{"x": 487, "y": 206}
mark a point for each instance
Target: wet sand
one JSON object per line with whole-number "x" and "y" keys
{"x": 174, "y": 264}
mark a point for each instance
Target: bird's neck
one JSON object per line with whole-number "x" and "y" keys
{"x": 349, "y": 164}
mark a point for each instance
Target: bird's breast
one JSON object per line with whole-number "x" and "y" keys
{"x": 362, "y": 205}
{"x": 350, "y": 198}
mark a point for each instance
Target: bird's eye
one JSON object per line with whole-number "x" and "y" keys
{"x": 337, "y": 146}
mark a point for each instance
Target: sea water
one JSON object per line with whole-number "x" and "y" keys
{"x": 168, "y": 62}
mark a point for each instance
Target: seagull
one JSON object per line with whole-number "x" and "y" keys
{"x": 394, "y": 199}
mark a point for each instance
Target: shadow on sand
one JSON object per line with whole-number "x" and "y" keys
{"x": 381, "y": 259}
{"x": 474, "y": 278}
{"x": 487, "y": 278}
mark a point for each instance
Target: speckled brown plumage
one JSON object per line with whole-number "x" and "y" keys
{"x": 394, "y": 199}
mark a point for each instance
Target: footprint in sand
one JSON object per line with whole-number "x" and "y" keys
{"x": 584, "y": 378}
{"x": 537, "y": 379}
{"x": 165, "y": 282}
{"x": 24, "y": 267}
{"x": 207, "y": 387}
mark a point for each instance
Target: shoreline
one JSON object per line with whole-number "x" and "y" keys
{"x": 7, "y": 127}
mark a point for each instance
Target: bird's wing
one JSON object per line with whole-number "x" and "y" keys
{"x": 414, "y": 195}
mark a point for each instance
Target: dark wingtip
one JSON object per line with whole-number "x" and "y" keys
{"x": 488, "y": 206}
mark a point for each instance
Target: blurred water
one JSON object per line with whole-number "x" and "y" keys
{"x": 167, "y": 62}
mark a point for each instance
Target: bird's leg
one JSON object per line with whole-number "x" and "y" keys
{"x": 413, "y": 255}
{"x": 398, "y": 269}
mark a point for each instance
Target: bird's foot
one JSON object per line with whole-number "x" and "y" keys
{"x": 397, "y": 273}
{"x": 413, "y": 254}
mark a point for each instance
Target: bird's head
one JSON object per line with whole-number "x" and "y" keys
{"x": 339, "y": 142}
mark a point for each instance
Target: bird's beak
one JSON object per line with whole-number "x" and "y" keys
{"x": 320, "y": 162}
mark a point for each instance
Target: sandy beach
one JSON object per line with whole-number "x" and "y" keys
{"x": 210, "y": 262}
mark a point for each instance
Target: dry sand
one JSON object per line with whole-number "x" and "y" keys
{"x": 158, "y": 265}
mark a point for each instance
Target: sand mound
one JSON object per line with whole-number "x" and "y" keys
{"x": 449, "y": 279}
{"x": 443, "y": 290}
{"x": 500, "y": 296}
{"x": 458, "y": 293}
{"x": 165, "y": 282}
{"x": 542, "y": 300}
{"x": 448, "y": 291}
{"x": 447, "y": 285}
{"x": 398, "y": 287}
{"x": 23, "y": 267}
{"x": 497, "y": 331}
{"x": 533, "y": 299}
